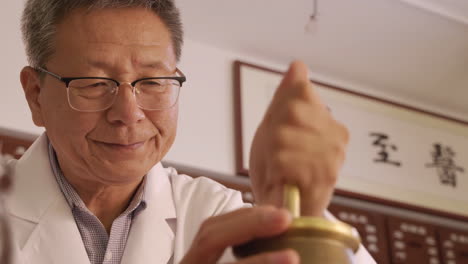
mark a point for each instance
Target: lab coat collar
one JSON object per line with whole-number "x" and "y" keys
{"x": 37, "y": 200}
{"x": 55, "y": 239}
{"x": 151, "y": 238}
{"x": 35, "y": 187}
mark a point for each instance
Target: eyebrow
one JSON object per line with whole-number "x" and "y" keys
{"x": 156, "y": 65}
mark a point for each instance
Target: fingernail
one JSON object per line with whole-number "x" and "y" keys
{"x": 287, "y": 213}
{"x": 278, "y": 216}
{"x": 279, "y": 258}
{"x": 284, "y": 257}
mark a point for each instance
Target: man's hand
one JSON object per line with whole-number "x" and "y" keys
{"x": 238, "y": 227}
{"x": 299, "y": 143}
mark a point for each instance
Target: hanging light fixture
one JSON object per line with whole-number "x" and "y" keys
{"x": 311, "y": 25}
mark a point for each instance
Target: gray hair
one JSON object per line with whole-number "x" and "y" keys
{"x": 40, "y": 18}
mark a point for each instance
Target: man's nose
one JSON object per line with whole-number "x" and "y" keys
{"x": 125, "y": 109}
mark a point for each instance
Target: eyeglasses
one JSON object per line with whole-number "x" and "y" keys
{"x": 93, "y": 94}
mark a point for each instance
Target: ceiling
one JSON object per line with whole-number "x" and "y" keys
{"x": 413, "y": 50}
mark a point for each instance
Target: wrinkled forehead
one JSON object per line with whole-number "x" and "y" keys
{"x": 111, "y": 35}
{"x": 135, "y": 25}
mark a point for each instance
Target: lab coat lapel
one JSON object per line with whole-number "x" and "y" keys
{"x": 36, "y": 200}
{"x": 56, "y": 239}
{"x": 151, "y": 238}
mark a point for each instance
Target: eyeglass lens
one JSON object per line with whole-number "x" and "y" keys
{"x": 99, "y": 94}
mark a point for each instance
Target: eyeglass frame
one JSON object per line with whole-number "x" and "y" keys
{"x": 66, "y": 80}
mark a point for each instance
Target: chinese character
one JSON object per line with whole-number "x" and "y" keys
{"x": 442, "y": 159}
{"x": 384, "y": 156}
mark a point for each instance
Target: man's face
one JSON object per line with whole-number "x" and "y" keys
{"x": 118, "y": 145}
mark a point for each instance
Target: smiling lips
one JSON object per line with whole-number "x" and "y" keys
{"x": 133, "y": 146}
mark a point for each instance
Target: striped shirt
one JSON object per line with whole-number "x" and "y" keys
{"x": 100, "y": 247}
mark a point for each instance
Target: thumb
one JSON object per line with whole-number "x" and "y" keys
{"x": 295, "y": 82}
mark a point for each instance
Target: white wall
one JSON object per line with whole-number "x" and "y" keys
{"x": 14, "y": 112}
{"x": 206, "y": 130}
{"x": 206, "y": 126}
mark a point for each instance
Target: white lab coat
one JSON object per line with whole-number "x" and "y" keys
{"x": 45, "y": 232}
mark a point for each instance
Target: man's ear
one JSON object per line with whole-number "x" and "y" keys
{"x": 32, "y": 89}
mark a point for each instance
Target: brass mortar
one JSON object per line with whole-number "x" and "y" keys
{"x": 316, "y": 240}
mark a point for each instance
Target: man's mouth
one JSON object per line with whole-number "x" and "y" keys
{"x": 117, "y": 146}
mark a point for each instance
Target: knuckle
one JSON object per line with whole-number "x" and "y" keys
{"x": 343, "y": 131}
{"x": 322, "y": 174}
{"x": 302, "y": 169}
{"x": 279, "y": 161}
{"x": 339, "y": 155}
{"x": 264, "y": 212}
{"x": 303, "y": 174}
{"x": 330, "y": 173}
{"x": 258, "y": 216}
{"x": 294, "y": 112}
{"x": 338, "y": 149}
{"x": 280, "y": 137}
{"x": 305, "y": 89}
{"x": 332, "y": 176}
{"x": 346, "y": 133}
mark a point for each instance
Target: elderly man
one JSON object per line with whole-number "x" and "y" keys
{"x": 103, "y": 82}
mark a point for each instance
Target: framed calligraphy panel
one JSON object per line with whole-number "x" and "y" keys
{"x": 397, "y": 155}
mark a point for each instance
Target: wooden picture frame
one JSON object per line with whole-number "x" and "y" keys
{"x": 415, "y": 179}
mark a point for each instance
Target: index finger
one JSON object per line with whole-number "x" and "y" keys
{"x": 234, "y": 228}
